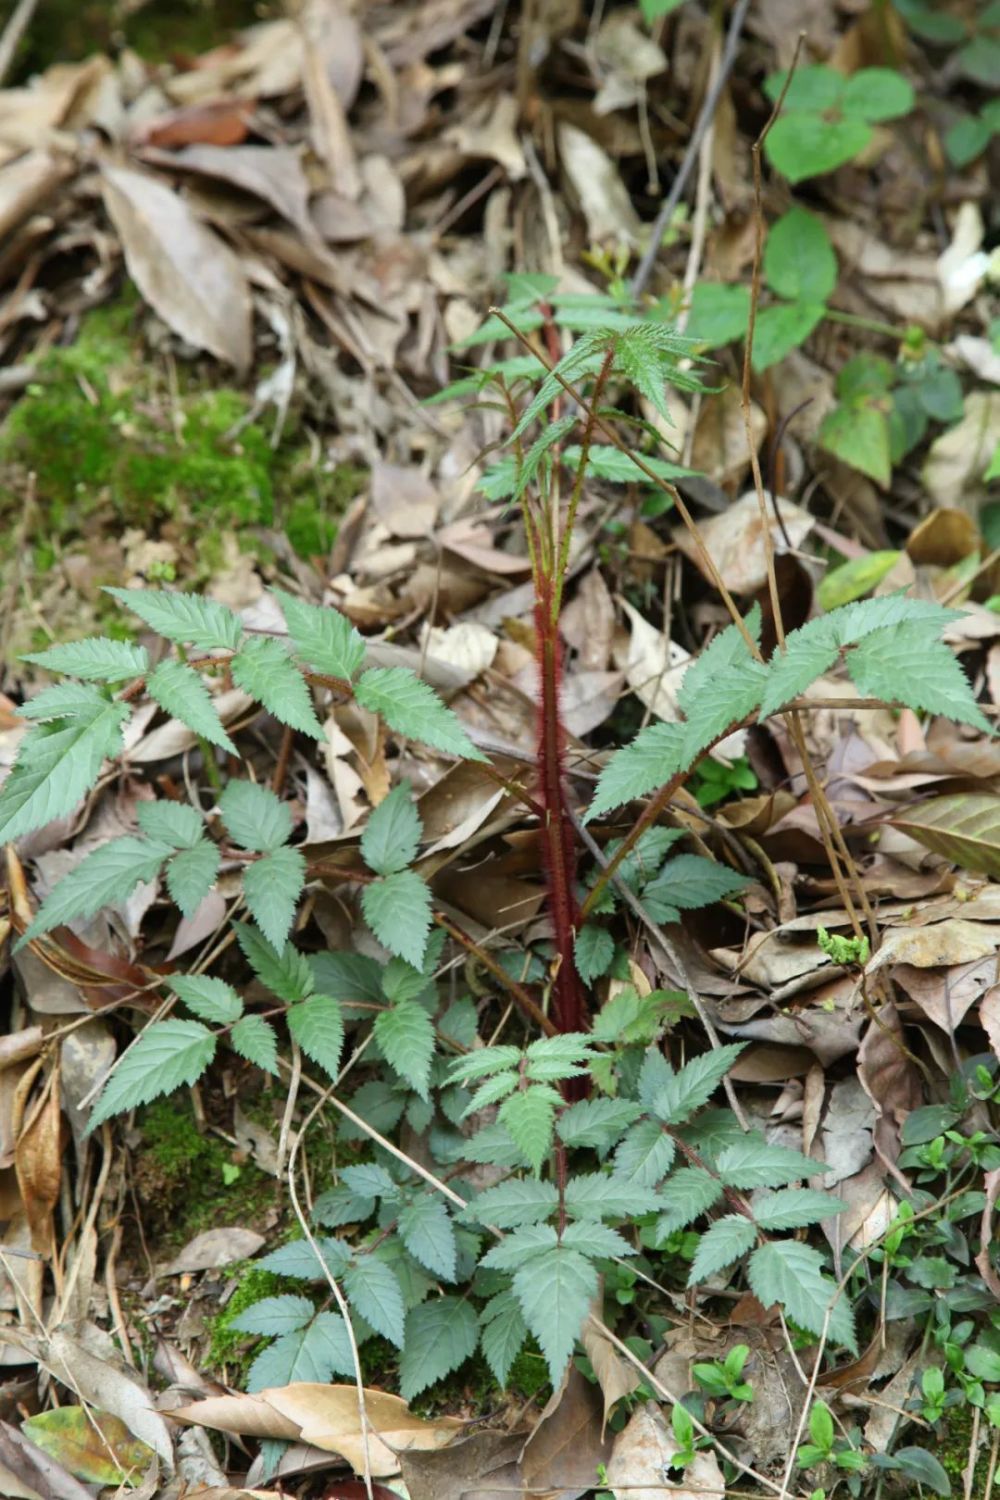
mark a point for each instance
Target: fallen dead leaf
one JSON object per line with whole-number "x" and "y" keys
{"x": 639, "y": 1467}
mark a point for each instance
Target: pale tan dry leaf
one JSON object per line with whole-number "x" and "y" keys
{"x": 187, "y": 274}
{"x": 719, "y": 448}
{"x": 26, "y": 183}
{"x": 887, "y": 1074}
{"x": 735, "y": 540}
{"x": 38, "y": 1163}
{"x": 588, "y": 698}
{"x": 989, "y": 1015}
{"x": 616, "y": 1377}
{"x": 962, "y": 266}
{"x": 325, "y": 27}
{"x": 271, "y": 173}
{"x": 937, "y": 945}
{"x": 491, "y": 132}
{"x": 945, "y": 995}
{"x": 653, "y": 665}
{"x": 588, "y": 622}
{"x": 100, "y": 1384}
{"x": 214, "y": 1248}
{"x": 467, "y": 646}
{"x": 642, "y": 1456}
{"x": 404, "y": 499}
{"x": 603, "y": 196}
{"x": 957, "y": 459}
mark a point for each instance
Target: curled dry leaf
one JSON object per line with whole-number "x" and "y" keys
{"x": 964, "y": 828}
{"x": 187, "y": 274}
{"x": 939, "y": 944}
{"x": 615, "y": 1376}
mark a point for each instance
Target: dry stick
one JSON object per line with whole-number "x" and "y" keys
{"x": 670, "y": 202}
{"x": 669, "y": 951}
{"x": 519, "y": 993}
{"x": 17, "y": 24}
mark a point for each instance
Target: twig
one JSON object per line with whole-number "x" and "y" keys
{"x": 670, "y": 202}
{"x": 17, "y": 24}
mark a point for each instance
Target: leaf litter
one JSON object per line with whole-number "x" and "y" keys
{"x": 343, "y": 191}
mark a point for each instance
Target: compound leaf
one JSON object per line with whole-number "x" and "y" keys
{"x": 188, "y": 619}
{"x": 694, "y": 1084}
{"x": 179, "y": 690}
{"x": 109, "y": 873}
{"x": 264, "y": 669}
{"x": 169, "y": 1054}
{"x": 413, "y": 709}
{"x": 323, "y": 638}
{"x": 791, "y": 1273}
{"x": 555, "y": 1291}
{"x": 440, "y": 1336}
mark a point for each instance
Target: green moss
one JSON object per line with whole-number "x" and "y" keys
{"x": 230, "y": 1351}
{"x": 108, "y": 439}
{"x": 951, "y": 1447}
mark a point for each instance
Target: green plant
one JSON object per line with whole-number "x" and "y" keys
{"x": 974, "y": 35}
{"x": 883, "y": 409}
{"x": 843, "y": 950}
{"x": 826, "y": 1447}
{"x": 826, "y": 119}
{"x": 724, "y": 1378}
{"x": 716, "y": 780}
{"x": 688, "y": 1443}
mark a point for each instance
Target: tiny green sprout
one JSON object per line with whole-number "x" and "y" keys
{"x": 843, "y": 950}
{"x": 932, "y": 1387}
{"x": 723, "y": 1378}
{"x": 230, "y": 1173}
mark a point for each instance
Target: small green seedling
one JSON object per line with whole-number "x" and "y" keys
{"x": 688, "y": 1444}
{"x": 724, "y": 1378}
{"x": 827, "y": 119}
{"x": 932, "y": 1388}
{"x": 843, "y": 950}
{"x": 826, "y": 1447}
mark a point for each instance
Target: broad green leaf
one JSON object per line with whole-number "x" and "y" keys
{"x": 254, "y": 816}
{"x": 720, "y": 688}
{"x": 917, "y": 1463}
{"x": 596, "y": 1240}
{"x": 57, "y": 764}
{"x": 752, "y": 1163}
{"x": 594, "y": 1196}
{"x": 401, "y": 981}
{"x": 688, "y": 1194}
{"x": 979, "y": 59}
{"x": 807, "y": 145}
{"x": 555, "y": 1291}
{"x": 876, "y": 94}
{"x": 993, "y": 467}
{"x": 323, "y": 638}
{"x": 175, "y": 823}
{"x": 512, "y": 1203}
{"x": 722, "y": 1243}
{"x": 593, "y": 950}
{"x": 370, "y": 1180}
{"x": 179, "y": 690}
{"x": 440, "y": 1336}
{"x": 426, "y": 1230}
{"x": 398, "y": 911}
{"x": 964, "y": 141}
{"x": 374, "y": 1293}
{"x": 963, "y": 827}
{"x": 859, "y": 435}
{"x": 909, "y": 664}
{"x": 792, "y": 1208}
{"x": 341, "y": 1205}
{"x": 188, "y": 619}
{"x": 791, "y": 1273}
{"x": 611, "y": 464}
{"x": 596, "y": 1122}
{"x": 983, "y": 1362}
{"x": 392, "y": 833}
{"x": 813, "y": 89}
{"x": 274, "y": 1315}
{"x": 254, "y": 1039}
{"x": 782, "y": 327}
{"x": 645, "y": 1155}
{"x": 528, "y": 1115}
{"x": 483, "y": 1060}
{"x": 285, "y": 972}
{"x": 299, "y": 1259}
{"x": 67, "y": 700}
{"x": 694, "y": 1084}
{"x": 689, "y": 881}
{"x": 405, "y": 1033}
{"x": 413, "y": 709}
{"x": 639, "y": 767}
{"x": 348, "y": 977}
{"x": 313, "y": 1354}
{"x": 191, "y": 874}
{"x": 718, "y": 313}
{"x": 799, "y": 260}
{"x": 108, "y": 874}
{"x": 318, "y": 1026}
{"x": 91, "y": 1445}
{"x": 854, "y": 578}
{"x": 272, "y": 886}
{"x": 210, "y": 999}
{"x": 263, "y": 668}
{"x": 503, "y": 1333}
{"x": 519, "y": 1246}
{"x": 167, "y": 1055}
{"x": 94, "y": 660}
{"x": 652, "y": 10}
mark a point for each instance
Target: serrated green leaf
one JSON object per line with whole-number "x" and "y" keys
{"x": 299, "y": 1259}
{"x": 167, "y": 1055}
{"x": 175, "y": 823}
{"x": 791, "y": 1273}
{"x": 66, "y": 700}
{"x": 254, "y": 817}
{"x": 688, "y": 1194}
{"x": 519, "y": 1246}
{"x": 317, "y": 1024}
{"x": 513, "y": 1203}
{"x": 191, "y": 874}
{"x": 615, "y": 467}
{"x": 340, "y": 1205}
{"x": 323, "y": 638}
{"x": 689, "y": 881}
{"x": 594, "y": 1196}
{"x": 401, "y": 981}
{"x": 263, "y": 668}
{"x": 374, "y": 1292}
{"x": 694, "y": 1084}
{"x": 909, "y": 664}
{"x": 254, "y": 1039}
{"x": 95, "y": 659}
{"x": 555, "y": 1291}
{"x": 440, "y": 1336}
{"x": 596, "y": 1122}
{"x": 426, "y": 1230}
{"x": 391, "y": 835}
{"x": 187, "y": 619}
{"x": 272, "y": 886}
{"x": 799, "y": 260}
{"x": 593, "y": 950}
{"x": 722, "y": 1243}
{"x": 550, "y": 1059}
{"x": 313, "y": 1354}
{"x": 210, "y": 999}
{"x": 398, "y": 911}
{"x": 751, "y": 1163}
{"x": 108, "y": 874}
{"x": 645, "y": 1155}
{"x": 413, "y": 709}
{"x": 405, "y": 1033}
{"x": 370, "y": 1180}
{"x": 638, "y": 767}
{"x": 596, "y": 1240}
{"x": 57, "y": 764}
{"x": 793, "y": 1208}
{"x": 491, "y": 1091}
{"x": 285, "y": 972}
{"x": 722, "y": 686}
{"x": 180, "y": 691}
{"x": 503, "y": 1333}
{"x": 483, "y": 1060}
{"x": 272, "y": 1316}
{"x": 529, "y": 1115}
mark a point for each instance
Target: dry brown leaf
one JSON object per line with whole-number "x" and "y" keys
{"x": 936, "y": 945}
{"x": 38, "y": 1163}
{"x": 26, "y": 183}
{"x": 887, "y": 1074}
{"x": 215, "y": 1247}
{"x": 187, "y": 274}
{"x": 989, "y": 1014}
{"x": 565, "y": 1448}
{"x": 957, "y": 459}
{"x": 735, "y": 540}
{"x": 615, "y": 1375}
{"x": 945, "y": 995}
{"x": 642, "y": 1456}
{"x": 603, "y": 196}
{"x": 271, "y": 173}
{"x": 462, "y": 1470}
